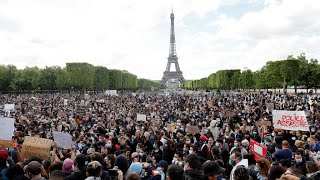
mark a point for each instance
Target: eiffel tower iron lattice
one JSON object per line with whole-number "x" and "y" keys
{"x": 172, "y": 78}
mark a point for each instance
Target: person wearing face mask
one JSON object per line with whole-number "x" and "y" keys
{"x": 156, "y": 148}
{"x": 235, "y": 161}
{"x": 300, "y": 161}
{"x": 237, "y": 133}
{"x": 178, "y": 159}
{"x": 224, "y": 151}
{"x": 192, "y": 168}
{"x": 188, "y": 141}
{"x": 313, "y": 145}
{"x": 204, "y": 149}
{"x": 256, "y": 136}
{"x": 237, "y": 144}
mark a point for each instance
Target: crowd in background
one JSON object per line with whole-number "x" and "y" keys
{"x": 111, "y": 143}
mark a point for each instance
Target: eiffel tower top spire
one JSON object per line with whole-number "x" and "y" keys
{"x": 172, "y": 50}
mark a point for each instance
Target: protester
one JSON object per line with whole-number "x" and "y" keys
{"x": 191, "y": 136}
{"x": 175, "y": 172}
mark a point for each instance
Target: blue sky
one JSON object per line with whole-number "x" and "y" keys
{"x": 134, "y": 35}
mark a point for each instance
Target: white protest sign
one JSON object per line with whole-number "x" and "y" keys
{"x": 6, "y": 128}
{"x": 8, "y": 107}
{"x": 290, "y": 120}
{"x": 141, "y": 117}
{"x": 65, "y": 102}
{"x": 63, "y": 140}
{"x": 111, "y": 92}
{"x": 100, "y": 100}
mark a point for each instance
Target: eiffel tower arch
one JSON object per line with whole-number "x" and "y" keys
{"x": 172, "y": 79}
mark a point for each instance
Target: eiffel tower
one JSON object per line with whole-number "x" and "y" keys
{"x": 172, "y": 79}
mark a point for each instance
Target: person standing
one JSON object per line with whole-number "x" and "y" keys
{"x": 283, "y": 154}
{"x": 235, "y": 161}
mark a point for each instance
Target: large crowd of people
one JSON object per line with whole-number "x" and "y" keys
{"x": 192, "y": 136}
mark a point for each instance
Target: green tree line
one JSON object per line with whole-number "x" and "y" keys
{"x": 293, "y": 71}
{"x": 75, "y": 76}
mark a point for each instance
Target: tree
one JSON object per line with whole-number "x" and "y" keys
{"x": 101, "y": 78}
{"x": 7, "y": 74}
{"x": 81, "y": 75}
{"x": 48, "y": 77}
{"x": 246, "y": 79}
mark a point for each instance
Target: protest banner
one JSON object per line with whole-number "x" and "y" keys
{"x": 63, "y": 140}
{"x": 290, "y": 120}
{"x": 141, "y": 117}
{"x": 6, "y": 128}
{"x": 34, "y": 146}
{"x": 193, "y": 130}
{"x": 259, "y": 150}
{"x": 8, "y": 107}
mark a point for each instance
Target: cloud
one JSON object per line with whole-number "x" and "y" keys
{"x": 134, "y": 35}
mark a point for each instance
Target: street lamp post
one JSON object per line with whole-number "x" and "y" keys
{"x": 245, "y": 80}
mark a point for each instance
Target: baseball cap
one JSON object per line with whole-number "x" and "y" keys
{"x": 162, "y": 163}
{"x": 203, "y": 138}
{"x": 3, "y": 155}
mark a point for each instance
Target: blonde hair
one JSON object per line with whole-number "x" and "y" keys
{"x": 300, "y": 144}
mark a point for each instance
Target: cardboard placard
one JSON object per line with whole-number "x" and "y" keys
{"x": 193, "y": 130}
{"x": 87, "y": 102}
{"x": 263, "y": 123}
{"x": 230, "y": 114}
{"x": 87, "y": 97}
{"x": 63, "y": 140}
{"x": 6, "y": 128}
{"x": 34, "y": 146}
{"x": 171, "y": 127}
{"x": 5, "y": 143}
{"x": 17, "y": 106}
{"x": 62, "y": 114}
